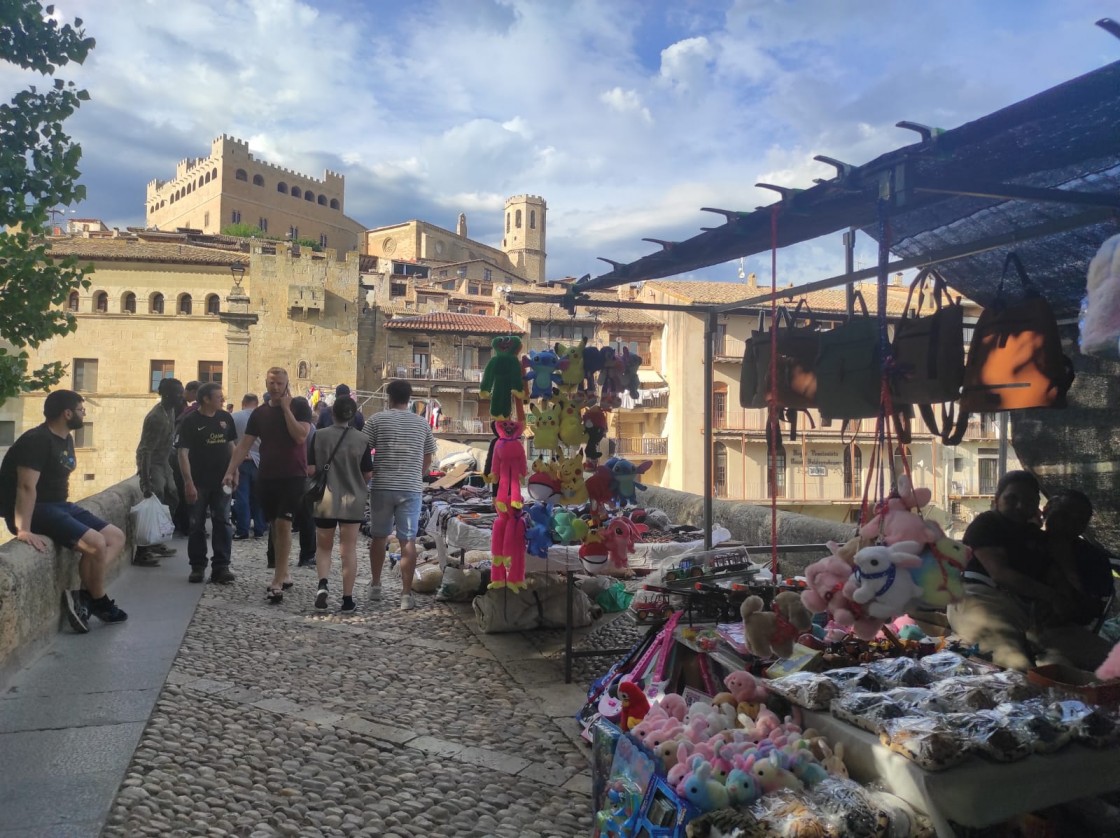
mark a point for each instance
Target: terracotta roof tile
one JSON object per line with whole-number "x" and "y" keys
{"x": 134, "y": 250}
{"x": 443, "y": 321}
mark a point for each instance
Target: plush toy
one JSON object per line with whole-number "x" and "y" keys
{"x": 742, "y": 788}
{"x": 508, "y": 464}
{"x": 833, "y": 762}
{"x": 745, "y": 687}
{"x": 1100, "y": 326}
{"x": 572, "y": 432}
{"x": 595, "y": 426}
{"x": 625, "y": 479}
{"x": 545, "y": 422}
{"x": 567, "y": 527}
{"x": 635, "y": 705}
{"x": 544, "y": 483}
{"x": 673, "y": 704}
{"x": 880, "y": 582}
{"x": 630, "y": 364}
{"x": 501, "y": 380}
{"x": 571, "y": 374}
{"x": 620, "y": 536}
{"x": 825, "y": 579}
{"x": 543, "y": 371}
{"x": 592, "y": 365}
{"x": 572, "y": 487}
{"x": 507, "y": 548}
{"x": 593, "y": 554}
{"x": 610, "y": 379}
{"x": 771, "y": 776}
{"x": 599, "y": 490}
{"x": 895, "y": 520}
{"x": 538, "y": 535}
{"x": 939, "y": 576}
{"x": 701, "y": 789}
{"x": 774, "y": 632}
{"x": 1111, "y": 667}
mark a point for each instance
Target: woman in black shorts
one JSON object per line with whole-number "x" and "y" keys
{"x": 343, "y": 503}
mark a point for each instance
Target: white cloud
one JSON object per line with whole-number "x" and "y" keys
{"x": 626, "y": 101}
{"x": 685, "y": 65}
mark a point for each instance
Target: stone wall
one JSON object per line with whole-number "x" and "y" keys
{"x": 31, "y": 583}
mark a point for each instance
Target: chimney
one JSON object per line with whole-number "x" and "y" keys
{"x": 897, "y": 279}
{"x": 752, "y": 280}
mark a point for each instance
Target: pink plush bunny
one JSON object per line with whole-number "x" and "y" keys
{"x": 745, "y": 687}
{"x": 895, "y": 520}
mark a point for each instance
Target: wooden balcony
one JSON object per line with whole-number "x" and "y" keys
{"x": 729, "y": 350}
{"x": 638, "y": 446}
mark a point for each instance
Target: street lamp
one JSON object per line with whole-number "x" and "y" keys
{"x": 238, "y": 271}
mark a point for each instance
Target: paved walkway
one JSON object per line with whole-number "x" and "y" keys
{"x": 284, "y": 720}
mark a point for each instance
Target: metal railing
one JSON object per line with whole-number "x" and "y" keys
{"x": 644, "y": 446}
{"x": 451, "y": 426}
{"x": 729, "y": 347}
{"x": 650, "y": 401}
{"x": 420, "y": 372}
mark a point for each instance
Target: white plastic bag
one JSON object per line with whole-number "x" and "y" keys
{"x": 151, "y": 522}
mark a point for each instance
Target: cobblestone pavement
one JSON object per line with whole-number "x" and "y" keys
{"x": 285, "y": 720}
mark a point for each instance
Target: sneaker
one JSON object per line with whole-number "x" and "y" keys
{"x": 221, "y": 576}
{"x": 76, "y": 611}
{"x": 240, "y": 536}
{"x": 106, "y": 610}
{"x": 197, "y": 574}
{"x": 321, "y": 598}
{"x": 407, "y": 602}
{"x": 348, "y": 604}
{"x": 143, "y": 557}
{"x": 162, "y": 550}
{"x": 374, "y": 593}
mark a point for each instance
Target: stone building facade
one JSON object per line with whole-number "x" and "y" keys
{"x": 230, "y": 186}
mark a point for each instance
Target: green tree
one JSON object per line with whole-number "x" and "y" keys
{"x": 244, "y": 231}
{"x": 38, "y": 171}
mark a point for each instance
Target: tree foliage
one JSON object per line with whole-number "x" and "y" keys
{"x": 252, "y": 231}
{"x": 38, "y": 171}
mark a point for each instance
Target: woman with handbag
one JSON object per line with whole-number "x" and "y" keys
{"x": 338, "y": 496}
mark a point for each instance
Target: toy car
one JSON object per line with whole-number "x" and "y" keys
{"x": 651, "y": 607}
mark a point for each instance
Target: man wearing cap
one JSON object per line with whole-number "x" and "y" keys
{"x": 326, "y": 418}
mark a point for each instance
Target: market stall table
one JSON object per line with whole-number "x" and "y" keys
{"x": 975, "y": 793}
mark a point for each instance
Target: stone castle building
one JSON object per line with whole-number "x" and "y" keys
{"x": 230, "y": 186}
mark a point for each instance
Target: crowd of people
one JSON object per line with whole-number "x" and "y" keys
{"x": 245, "y": 474}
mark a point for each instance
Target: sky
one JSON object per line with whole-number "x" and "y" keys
{"x": 627, "y": 116}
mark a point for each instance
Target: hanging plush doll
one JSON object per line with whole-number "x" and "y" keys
{"x": 625, "y": 479}
{"x": 545, "y": 422}
{"x": 592, "y": 364}
{"x": 542, "y": 372}
{"x": 544, "y": 482}
{"x": 508, "y": 464}
{"x": 630, "y": 380}
{"x": 572, "y": 432}
{"x": 538, "y": 536}
{"x": 610, "y": 379}
{"x": 595, "y": 425}
{"x": 600, "y": 491}
{"x": 507, "y": 551}
{"x": 620, "y": 535}
{"x": 501, "y": 380}
{"x": 572, "y": 375}
{"x": 572, "y": 487}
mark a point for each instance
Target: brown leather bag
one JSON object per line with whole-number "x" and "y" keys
{"x": 1015, "y": 359}
{"x": 928, "y": 348}
{"x": 797, "y": 353}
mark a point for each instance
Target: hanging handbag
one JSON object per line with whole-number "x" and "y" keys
{"x": 797, "y": 351}
{"x": 317, "y": 485}
{"x": 1015, "y": 359}
{"x": 849, "y": 368}
{"x": 929, "y": 349}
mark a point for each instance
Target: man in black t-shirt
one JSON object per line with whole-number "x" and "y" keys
{"x": 34, "y": 487}
{"x": 205, "y": 443}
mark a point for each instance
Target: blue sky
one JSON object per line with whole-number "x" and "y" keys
{"x": 626, "y": 115}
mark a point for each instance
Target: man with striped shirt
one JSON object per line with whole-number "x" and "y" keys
{"x": 403, "y": 446}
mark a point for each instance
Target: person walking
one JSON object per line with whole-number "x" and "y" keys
{"x": 346, "y": 458}
{"x": 283, "y": 469}
{"x": 34, "y": 487}
{"x": 403, "y": 448}
{"x": 326, "y": 417}
{"x": 153, "y": 464}
{"x": 246, "y": 506}
{"x": 205, "y": 443}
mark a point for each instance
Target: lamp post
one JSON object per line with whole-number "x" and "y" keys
{"x": 238, "y": 271}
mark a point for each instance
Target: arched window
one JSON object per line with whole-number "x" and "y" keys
{"x": 101, "y": 302}
{"x": 309, "y": 196}
{"x": 517, "y": 219}
{"x": 297, "y": 192}
{"x": 155, "y": 303}
{"x": 853, "y": 471}
{"x": 214, "y": 173}
{"x": 72, "y": 301}
{"x": 190, "y": 188}
{"x": 302, "y": 369}
{"x": 184, "y": 306}
{"x": 258, "y": 180}
{"x": 335, "y": 204}
{"x": 213, "y": 304}
{"x": 128, "y": 303}
{"x": 201, "y": 181}
{"x": 282, "y": 187}
{"x": 206, "y": 178}
{"x": 321, "y": 200}
{"x": 507, "y": 222}
{"x": 532, "y": 219}
{"x": 241, "y": 174}
{"x": 719, "y": 471}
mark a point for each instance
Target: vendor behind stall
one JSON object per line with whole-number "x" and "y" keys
{"x": 1019, "y": 606}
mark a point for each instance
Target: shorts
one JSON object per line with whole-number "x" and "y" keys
{"x": 388, "y": 507}
{"x": 281, "y": 497}
{"x": 331, "y": 523}
{"x": 64, "y": 523}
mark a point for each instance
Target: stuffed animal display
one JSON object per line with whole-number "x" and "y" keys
{"x": 502, "y": 379}
{"x": 773, "y": 633}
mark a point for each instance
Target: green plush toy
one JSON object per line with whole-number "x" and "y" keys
{"x": 501, "y": 380}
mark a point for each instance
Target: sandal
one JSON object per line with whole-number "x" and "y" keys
{"x": 275, "y": 596}
{"x": 287, "y": 586}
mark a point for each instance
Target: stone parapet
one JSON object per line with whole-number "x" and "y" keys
{"x": 31, "y": 583}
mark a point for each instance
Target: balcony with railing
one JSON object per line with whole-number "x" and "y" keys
{"x": 423, "y": 372}
{"x": 638, "y": 446}
{"x": 728, "y": 349}
{"x": 653, "y": 400}
{"x": 985, "y": 487}
{"x": 449, "y": 426}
